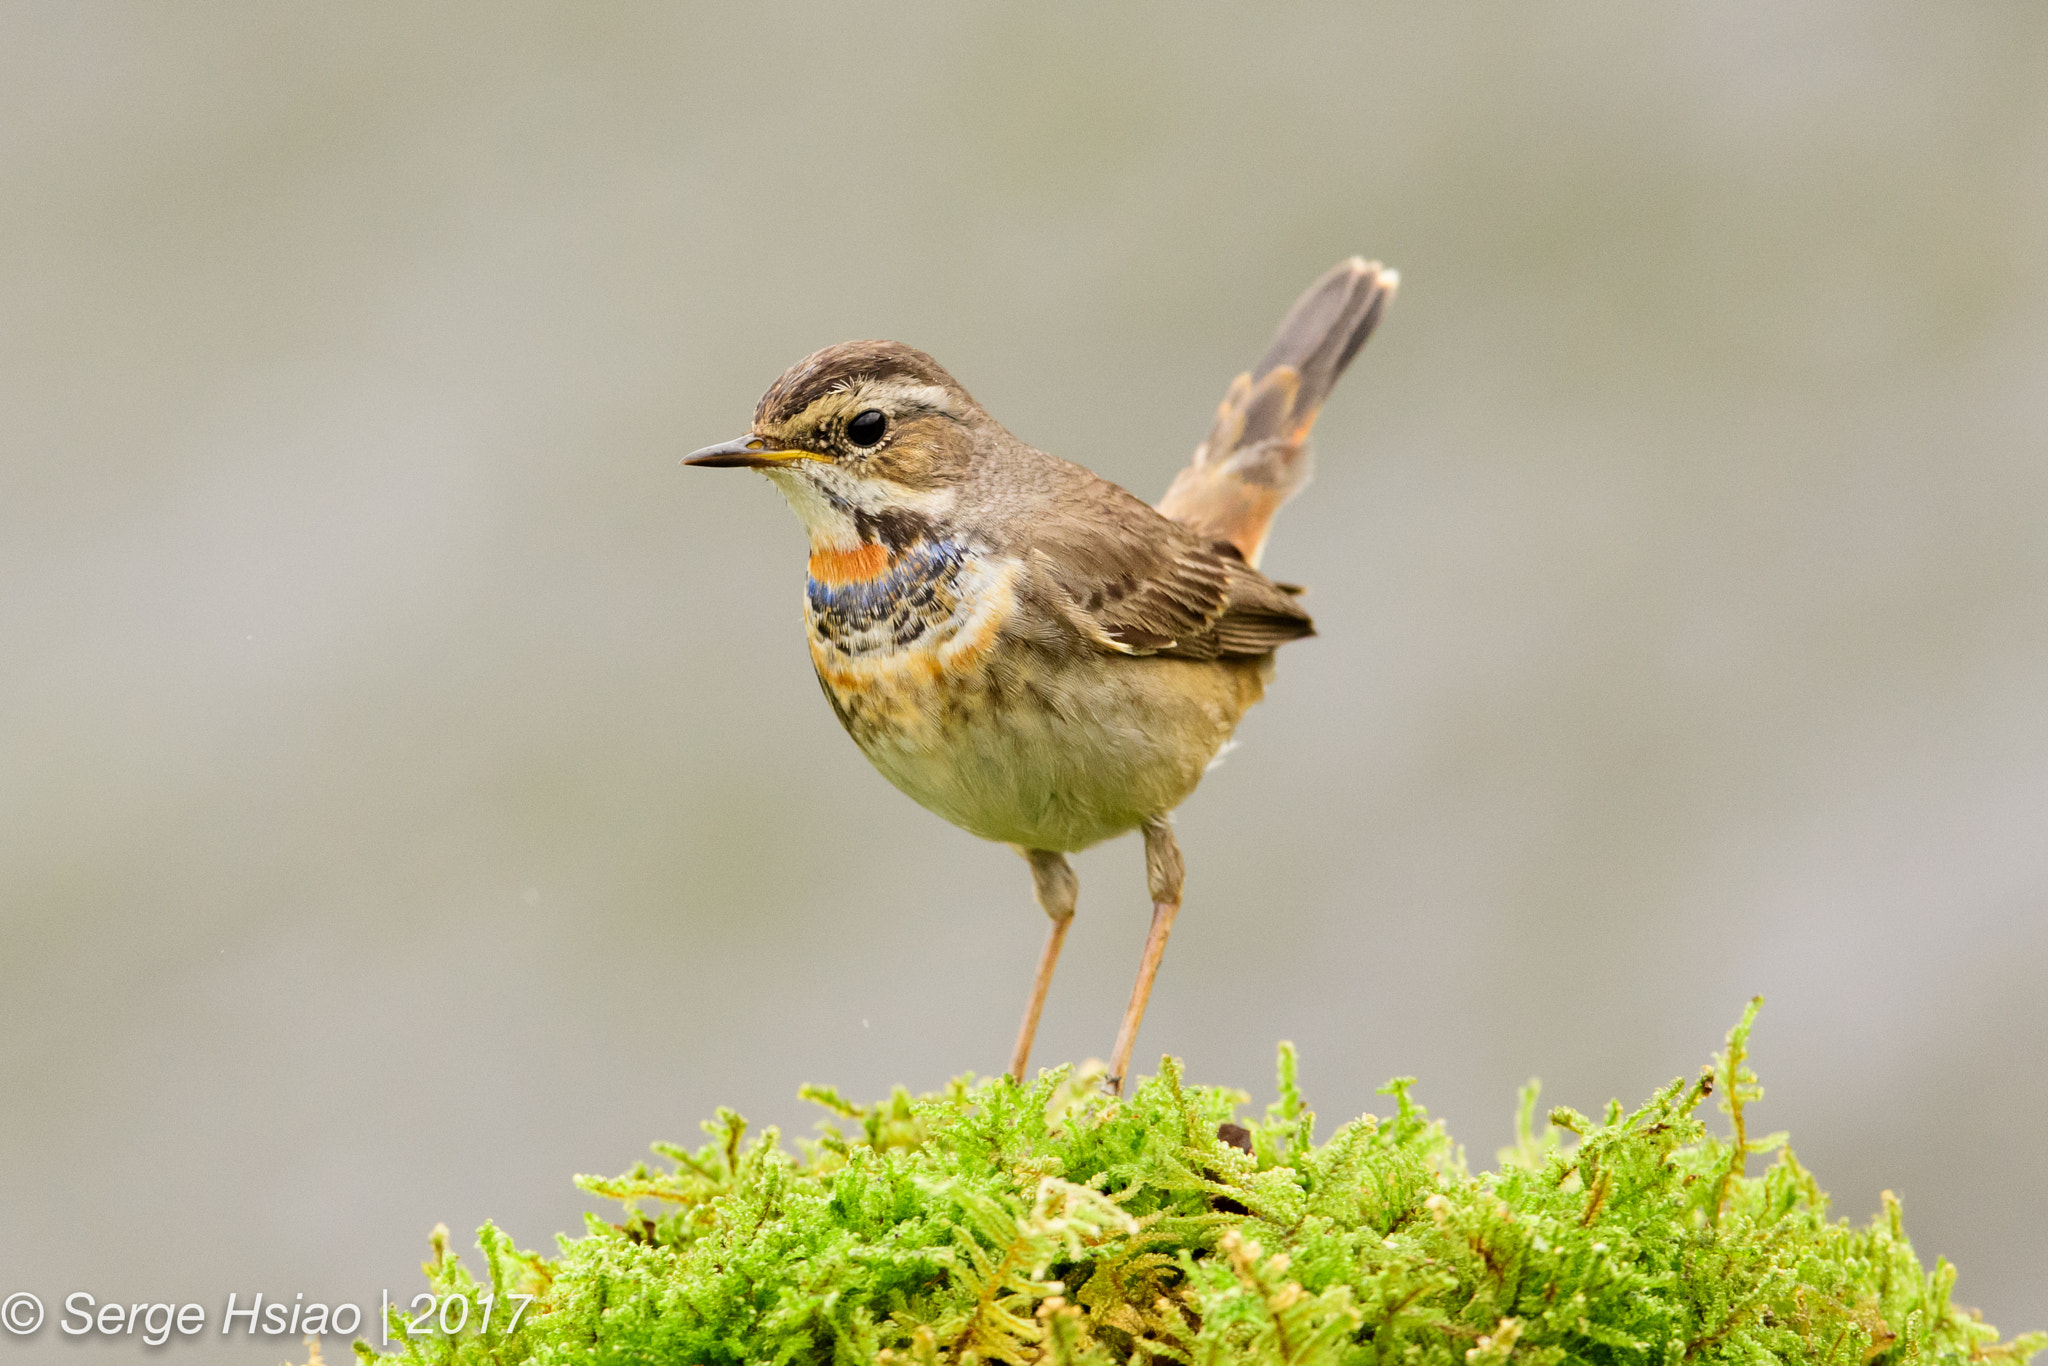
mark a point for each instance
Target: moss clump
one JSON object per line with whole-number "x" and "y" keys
{"x": 1051, "y": 1223}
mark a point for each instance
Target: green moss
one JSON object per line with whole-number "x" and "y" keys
{"x": 1051, "y": 1223}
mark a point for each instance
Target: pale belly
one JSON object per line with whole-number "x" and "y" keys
{"x": 1016, "y": 741}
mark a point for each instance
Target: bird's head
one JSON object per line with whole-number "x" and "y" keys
{"x": 868, "y": 440}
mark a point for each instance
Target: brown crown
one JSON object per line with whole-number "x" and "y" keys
{"x": 844, "y": 365}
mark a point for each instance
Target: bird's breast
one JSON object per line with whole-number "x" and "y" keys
{"x": 921, "y": 655}
{"x": 885, "y": 629}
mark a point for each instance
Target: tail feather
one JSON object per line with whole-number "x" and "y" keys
{"x": 1256, "y": 456}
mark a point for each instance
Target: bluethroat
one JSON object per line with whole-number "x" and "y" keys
{"x": 1023, "y": 647}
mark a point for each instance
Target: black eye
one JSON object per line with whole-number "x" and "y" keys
{"x": 866, "y": 429}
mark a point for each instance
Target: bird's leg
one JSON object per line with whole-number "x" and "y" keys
{"x": 1163, "y": 873}
{"x": 1052, "y": 878}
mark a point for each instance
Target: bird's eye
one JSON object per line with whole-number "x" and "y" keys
{"x": 866, "y": 428}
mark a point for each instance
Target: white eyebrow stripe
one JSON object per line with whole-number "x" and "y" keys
{"x": 901, "y": 395}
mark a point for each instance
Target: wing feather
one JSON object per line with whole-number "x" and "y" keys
{"x": 1131, "y": 581}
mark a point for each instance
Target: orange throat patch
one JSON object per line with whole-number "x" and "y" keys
{"x": 863, "y": 562}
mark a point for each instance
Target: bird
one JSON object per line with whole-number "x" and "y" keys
{"x": 1022, "y": 646}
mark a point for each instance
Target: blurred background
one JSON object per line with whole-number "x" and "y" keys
{"x": 413, "y": 789}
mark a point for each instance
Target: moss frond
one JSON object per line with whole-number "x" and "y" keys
{"x": 1051, "y": 1223}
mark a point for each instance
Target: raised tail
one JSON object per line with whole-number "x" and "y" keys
{"x": 1256, "y": 456}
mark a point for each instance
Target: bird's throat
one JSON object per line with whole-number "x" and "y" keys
{"x": 857, "y": 563}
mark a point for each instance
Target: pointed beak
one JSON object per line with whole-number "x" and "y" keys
{"x": 749, "y": 452}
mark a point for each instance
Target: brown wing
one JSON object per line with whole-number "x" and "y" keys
{"x": 1130, "y": 581}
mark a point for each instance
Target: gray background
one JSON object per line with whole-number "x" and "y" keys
{"x": 412, "y": 785}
